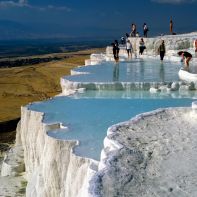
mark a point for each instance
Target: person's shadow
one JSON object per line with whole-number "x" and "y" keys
{"x": 116, "y": 72}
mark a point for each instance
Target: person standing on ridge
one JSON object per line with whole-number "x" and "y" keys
{"x": 145, "y": 30}
{"x": 133, "y": 30}
{"x": 171, "y": 26}
{"x": 162, "y": 50}
{"x": 122, "y": 40}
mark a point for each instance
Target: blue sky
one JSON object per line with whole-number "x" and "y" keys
{"x": 91, "y": 18}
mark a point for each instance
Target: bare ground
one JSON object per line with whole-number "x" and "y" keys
{"x": 24, "y": 84}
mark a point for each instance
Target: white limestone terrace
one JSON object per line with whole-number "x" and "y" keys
{"x": 173, "y": 43}
{"x": 125, "y": 75}
{"x": 135, "y": 74}
{"x": 153, "y": 154}
{"x": 51, "y": 166}
{"x": 138, "y": 158}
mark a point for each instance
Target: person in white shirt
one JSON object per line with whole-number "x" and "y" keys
{"x": 129, "y": 48}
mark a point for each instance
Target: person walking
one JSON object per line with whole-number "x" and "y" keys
{"x": 129, "y": 48}
{"x": 162, "y": 50}
{"x": 145, "y": 30}
{"x": 186, "y": 57}
{"x": 141, "y": 46}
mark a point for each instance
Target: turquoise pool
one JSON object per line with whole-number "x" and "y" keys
{"x": 87, "y": 117}
{"x": 133, "y": 71}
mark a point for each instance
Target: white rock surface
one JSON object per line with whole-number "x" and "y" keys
{"x": 13, "y": 163}
{"x": 173, "y": 43}
{"x": 12, "y": 186}
{"x": 187, "y": 76}
{"x": 52, "y": 169}
{"x": 194, "y": 105}
{"x": 154, "y": 90}
{"x": 156, "y": 156}
{"x": 175, "y": 86}
{"x": 95, "y": 59}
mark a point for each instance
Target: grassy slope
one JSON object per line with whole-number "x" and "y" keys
{"x": 21, "y": 85}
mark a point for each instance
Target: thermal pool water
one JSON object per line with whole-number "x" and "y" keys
{"x": 86, "y": 117}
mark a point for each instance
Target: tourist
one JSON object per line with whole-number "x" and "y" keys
{"x": 129, "y": 48}
{"x": 122, "y": 40}
{"x": 171, "y": 26}
{"x": 137, "y": 35}
{"x": 115, "y": 46}
{"x": 145, "y": 30}
{"x": 141, "y": 46}
{"x": 133, "y": 30}
{"x": 162, "y": 50}
{"x": 195, "y": 47}
{"x": 114, "y": 50}
{"x": 186, "y": 57}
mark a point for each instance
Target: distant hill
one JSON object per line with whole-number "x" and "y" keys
{"x": 14, "y": 30}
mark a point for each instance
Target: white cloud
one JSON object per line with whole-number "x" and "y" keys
{"x": 20, "y": 3}
{"x": 25, "y": 3}
{"x": 58, "y": 8}
{"x": 174, "y": 1}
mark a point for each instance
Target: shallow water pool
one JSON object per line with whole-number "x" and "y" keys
{"x": 87, "y": 118}
{"x": 133, "y": 71}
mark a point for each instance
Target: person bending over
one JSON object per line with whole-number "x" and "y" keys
{"x": 186, "y": 57}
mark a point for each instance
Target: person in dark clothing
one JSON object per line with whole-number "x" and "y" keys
{"x": 115, "y": 46}
{"x": 145, "y": 30}
{"x": 185, "y": 56}
{"x": 133, "y": 30}
{"x": 127, "y": 37}
{"x": 122, "y": 40}
{"x": 114, "y": 50}
{"x": 141, "y": 46}
{"x": 162, "y": 50}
